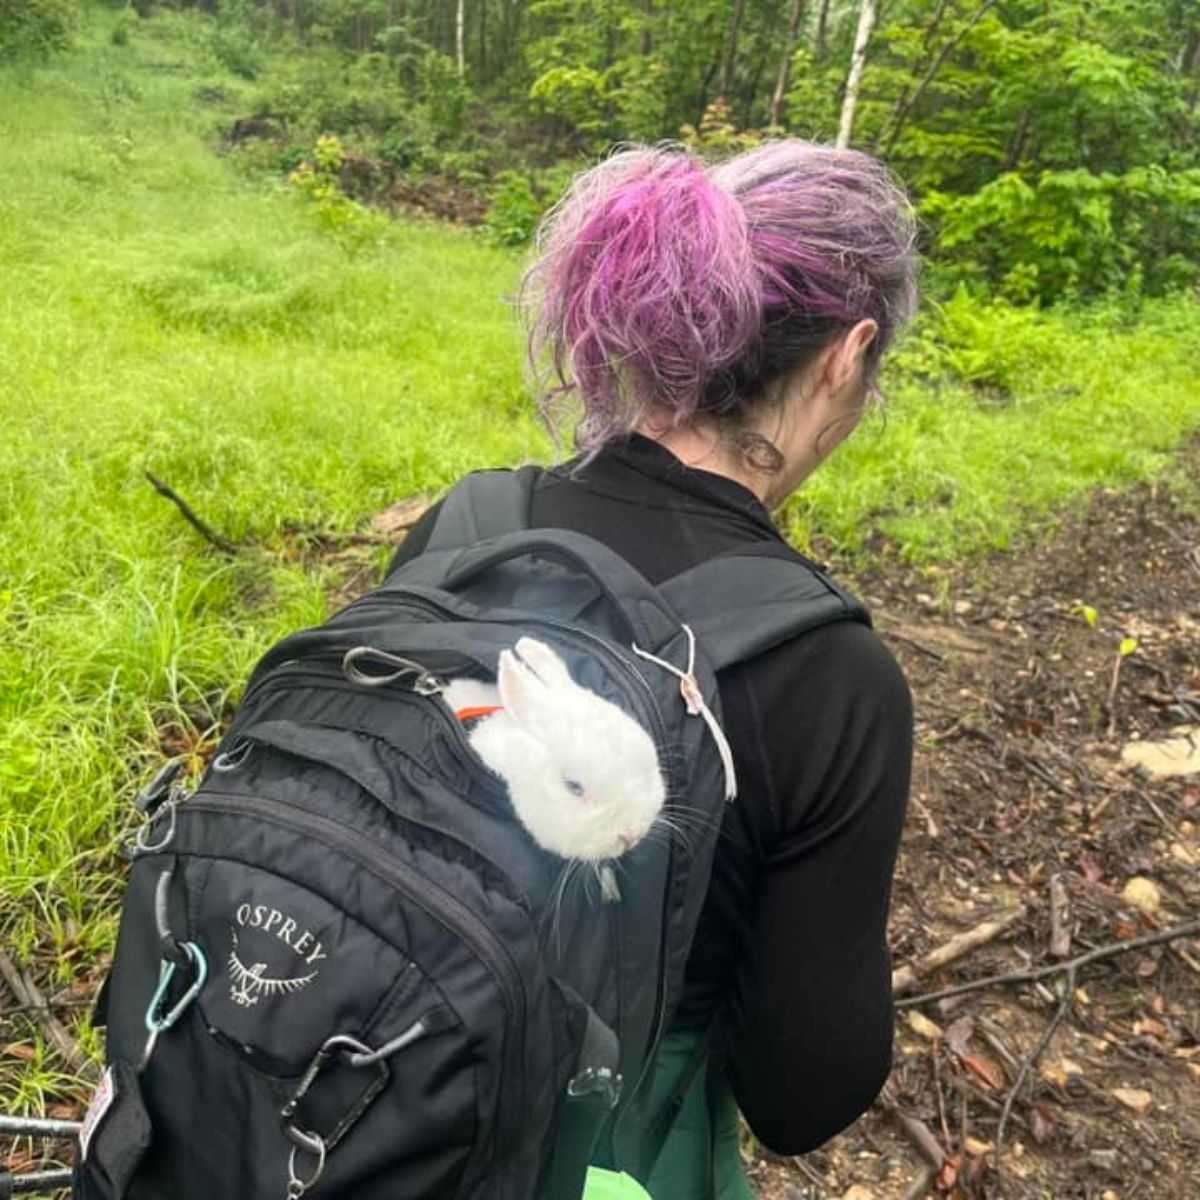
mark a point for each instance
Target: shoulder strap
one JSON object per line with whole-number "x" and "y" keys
{"x": 482, "y": 505}
{"x": 744, "y": 603}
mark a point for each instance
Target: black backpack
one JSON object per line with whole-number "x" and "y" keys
{"x": 344, "y": 969}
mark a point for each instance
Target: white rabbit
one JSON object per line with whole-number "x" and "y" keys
{"x": 583, "y": 776}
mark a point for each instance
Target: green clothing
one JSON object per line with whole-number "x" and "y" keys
{"x": 702, "y": 1157}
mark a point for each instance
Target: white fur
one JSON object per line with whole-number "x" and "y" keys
{"x": 551, "y": 731}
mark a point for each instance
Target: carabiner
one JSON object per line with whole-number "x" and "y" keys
{"x": 156, "y": 1023}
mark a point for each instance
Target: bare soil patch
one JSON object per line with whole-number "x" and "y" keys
{"x": 1020, "y": 793}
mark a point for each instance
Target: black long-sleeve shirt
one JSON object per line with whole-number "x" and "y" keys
{"x": 792, "y": 936}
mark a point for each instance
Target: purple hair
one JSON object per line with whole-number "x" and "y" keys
{"x": 663, "y": 284}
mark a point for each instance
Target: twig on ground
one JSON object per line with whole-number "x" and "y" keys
{"x": 22, "y": 986}
{"x": 904, "y": 978}
{"x": 920, "y": 1185}
{"x": 1060, "y": 918}
{"x": 916, "y": 1131}
{"x": 1188, "y": 929}
{"x": 206, "y": 531}
{"x": 1112, "y": 694}
{"x": 920, "y": 647}
{"x": 1031, "y": 1058}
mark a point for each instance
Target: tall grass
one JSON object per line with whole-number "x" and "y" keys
{"x": 163, "y": 309}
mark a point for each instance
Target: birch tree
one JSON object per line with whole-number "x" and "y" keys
{"x": 858, "y": 60}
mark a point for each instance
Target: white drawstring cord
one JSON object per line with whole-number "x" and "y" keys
{"x": 693, "y": 701}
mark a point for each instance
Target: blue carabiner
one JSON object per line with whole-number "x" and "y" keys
{"x": 155, "y": 1023}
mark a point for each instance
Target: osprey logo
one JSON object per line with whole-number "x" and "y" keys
{"x": 250, "y": 983}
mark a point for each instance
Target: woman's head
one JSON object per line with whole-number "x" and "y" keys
{"x": 667, "y": 291}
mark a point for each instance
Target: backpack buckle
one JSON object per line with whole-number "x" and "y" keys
{"x": 596, "y": 1081}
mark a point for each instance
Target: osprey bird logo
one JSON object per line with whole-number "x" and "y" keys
{"x": 248, "y": 985}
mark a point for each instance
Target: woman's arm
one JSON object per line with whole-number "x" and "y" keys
{"x": 810, "y": 1021}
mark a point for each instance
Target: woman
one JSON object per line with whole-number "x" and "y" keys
{"x": 719, "y": 330}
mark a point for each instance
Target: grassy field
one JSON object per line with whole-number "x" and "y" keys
{"x": 163, "y": 308}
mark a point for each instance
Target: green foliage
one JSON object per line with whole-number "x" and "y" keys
{"x": 352, "y": 225}
{"x": 717, "y": 134}
{"x": 518, "y": 200}
{"x": 35, "y": 28}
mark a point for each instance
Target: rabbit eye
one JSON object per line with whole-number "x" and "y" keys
{"x": 574, "y": 787}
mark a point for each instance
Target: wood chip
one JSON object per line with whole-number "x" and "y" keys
{"x": 1133, "y": 1098}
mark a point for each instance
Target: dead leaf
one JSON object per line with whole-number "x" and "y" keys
{"x": 1061, "y": 1072}
{"x": 1149, "y": 1027}
{"x": 958, "y": 1034}
{"x": 948, "y": 1174}
{"x": 976, "y": 1147}
{"x": 1133, "y": 1098}
{"x": 20, "y": 1050}
{"x": 1041, "y": 1123}
{"x": 858, "y": 1192}
{"x": 1146, "y": 967}
{"x": 986, "y": 1069}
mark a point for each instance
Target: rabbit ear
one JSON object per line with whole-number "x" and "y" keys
{"x": 521, "y": 692}
{"x": 550, "y": 668}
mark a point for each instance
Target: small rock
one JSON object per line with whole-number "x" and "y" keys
{"x": 1142, "y": 893}
{"x": 1176, "y": 755}
{"x": 1133, "y": 1098}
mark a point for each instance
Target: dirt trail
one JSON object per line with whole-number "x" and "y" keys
{"x": 1019, "y": 780}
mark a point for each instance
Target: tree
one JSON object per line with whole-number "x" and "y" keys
{"x": 858, "y": 60}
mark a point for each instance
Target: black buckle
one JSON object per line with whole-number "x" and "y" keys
{"x": 596, "y": 1081}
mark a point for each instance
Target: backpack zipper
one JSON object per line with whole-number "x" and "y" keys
{"x": 398, "y": 598}
{"x": 439, "y": 903}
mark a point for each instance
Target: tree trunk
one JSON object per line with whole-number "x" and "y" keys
{"x": 483, "y": 39}
{"x": 906, "y": 103}
{"x": 735, "y": 22}
{"x": 795, "y": 13}
{"x": 822, "y": 30}
{"x": 460, "y": 24}
{"x": 858, "y": 60}
{"x": 1191, "y": 66}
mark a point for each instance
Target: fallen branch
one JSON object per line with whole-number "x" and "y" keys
{"x": 916, "y": 1131}
{"x": 189, "y": 513}
{"x": 27, "y": 994}
{"x": 920, "y": 1185}
{"x": 1030, "y": 1060}
{"x": 1188, "y": 929}
{"x": 906, "y": 977}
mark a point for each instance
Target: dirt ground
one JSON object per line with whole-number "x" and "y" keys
{"x": 1020, "y": 791}
{"x": 1029, "y": 689}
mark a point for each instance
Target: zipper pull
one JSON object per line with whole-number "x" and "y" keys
{"x": 694, "y": 705}
{"x": 425, "y": 684}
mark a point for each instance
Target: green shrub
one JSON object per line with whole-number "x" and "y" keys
{"x": 35, "y": 27}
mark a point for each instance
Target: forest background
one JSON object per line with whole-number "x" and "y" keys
{"x": 266, "y": 252}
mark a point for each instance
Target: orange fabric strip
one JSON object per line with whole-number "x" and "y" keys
{"x": 480, "y": 710}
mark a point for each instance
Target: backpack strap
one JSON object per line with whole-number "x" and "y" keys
{"x": 746, "y": 602}
{"x": 482, "y": 505}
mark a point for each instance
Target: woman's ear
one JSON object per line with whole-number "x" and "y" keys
{"x": 847, "y": 363}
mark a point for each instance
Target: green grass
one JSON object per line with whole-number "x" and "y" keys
{"x": 163, "y": 308}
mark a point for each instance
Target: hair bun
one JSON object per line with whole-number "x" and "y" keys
{"x": 645, "y": 286}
